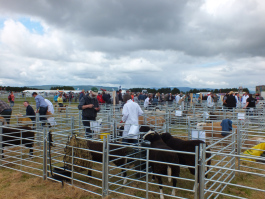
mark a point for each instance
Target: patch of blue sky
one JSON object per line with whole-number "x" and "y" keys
{"x": 210, "y": 64}
{"x": 2, "y": 21}
{"x": 32, "y": 25}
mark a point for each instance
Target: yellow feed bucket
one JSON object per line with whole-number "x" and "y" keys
{"x": 102, "y": 135}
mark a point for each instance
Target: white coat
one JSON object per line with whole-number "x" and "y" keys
{"x": 146, "y": 102}
{"x": 209, "y": 101}
{"x": 51, "y": 120}
{"x": 177, "y": 99}
{"x": 130, "y": 115}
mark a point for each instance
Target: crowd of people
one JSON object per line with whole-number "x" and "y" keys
{"x": 89, "y": 103}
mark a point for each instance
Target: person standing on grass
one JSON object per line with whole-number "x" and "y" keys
{"x": 5, "y": 111}
{"x": 130, "y": 115}
{"x": 55, "y": 98}
{"x": 60, "y": 100}
{"x": 41, "y": 106}
{"x": 89, "y": 106}
{"x": 11, "y": 99}
{"x": 29, "y": 111}
{"x": 251, "y": 104}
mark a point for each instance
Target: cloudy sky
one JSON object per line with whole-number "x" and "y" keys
{"x": 133, "y": 43}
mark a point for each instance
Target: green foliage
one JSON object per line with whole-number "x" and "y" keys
{"x": 164, "y": 90}
{"x": 137, "y": 89}
{"x": 175, "y": 91}
{"x": 62, "y": 88}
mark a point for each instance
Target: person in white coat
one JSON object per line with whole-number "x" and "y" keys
{"x": 50, "y": 111}
{"x": 177, "y": 98}
{"x": 147, "y": 102}
{"x": 130, "y": 115}
{"x": 50, "y": 119}
{"x": 210, "y": 100}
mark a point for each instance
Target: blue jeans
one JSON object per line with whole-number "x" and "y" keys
{"x": 12, "y": 103}
{"x": 43, "y": 111}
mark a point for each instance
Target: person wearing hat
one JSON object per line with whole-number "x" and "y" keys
{"x": 89, "y": 106}
{"x": 41, "y": 106}
{"x": 5, "y": 111}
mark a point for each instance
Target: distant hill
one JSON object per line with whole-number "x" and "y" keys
{"x": 88, "y": 87}
{"x": 78, "y": 87}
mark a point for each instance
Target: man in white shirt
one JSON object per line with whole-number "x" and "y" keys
{"x": 244, "y": 99}
{"x": 177, "y": 98}
{"x": 210, "y": 100}
{"x": 130, "y": 115}
{"x": 147, "y": 102}
{"x": 50, "y": 119}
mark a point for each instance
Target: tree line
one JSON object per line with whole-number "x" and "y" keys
{"x": 62, "y": 88}
{"x": 20, "y": 89}
{"x": 16, "y": 89}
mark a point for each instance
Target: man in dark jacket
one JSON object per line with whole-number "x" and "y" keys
{"x": 89, "y": 106}
{"x": 231, "y": 101}
{"x": 29, "y": 111}
{"x": 106, "y": 97}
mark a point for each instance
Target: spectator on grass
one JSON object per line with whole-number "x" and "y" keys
{"x": 5, "y": 111}
{"x": 41, "y": 106}
{"x": 29, "y": 111}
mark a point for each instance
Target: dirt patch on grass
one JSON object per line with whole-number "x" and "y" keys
{"x": 14, "y": 184}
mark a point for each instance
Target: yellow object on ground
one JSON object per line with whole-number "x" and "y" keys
{"x": 102, "y": 135}
{"x": 251, "y": 152}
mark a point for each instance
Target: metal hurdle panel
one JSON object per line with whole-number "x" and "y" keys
{"x": 139, "y": 183}
{"x": 225, "y": 174}
{"x": 16, "y": 157}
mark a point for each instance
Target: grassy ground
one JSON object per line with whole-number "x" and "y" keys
{"x": 17, "y": 185}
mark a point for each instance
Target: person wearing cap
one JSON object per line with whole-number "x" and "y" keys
{"x": 41, "y": 106}
{"x": 89, "y": 106}
{"x": 5, "y": 111}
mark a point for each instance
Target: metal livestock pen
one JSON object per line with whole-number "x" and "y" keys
{"x": 229, "y": 164}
